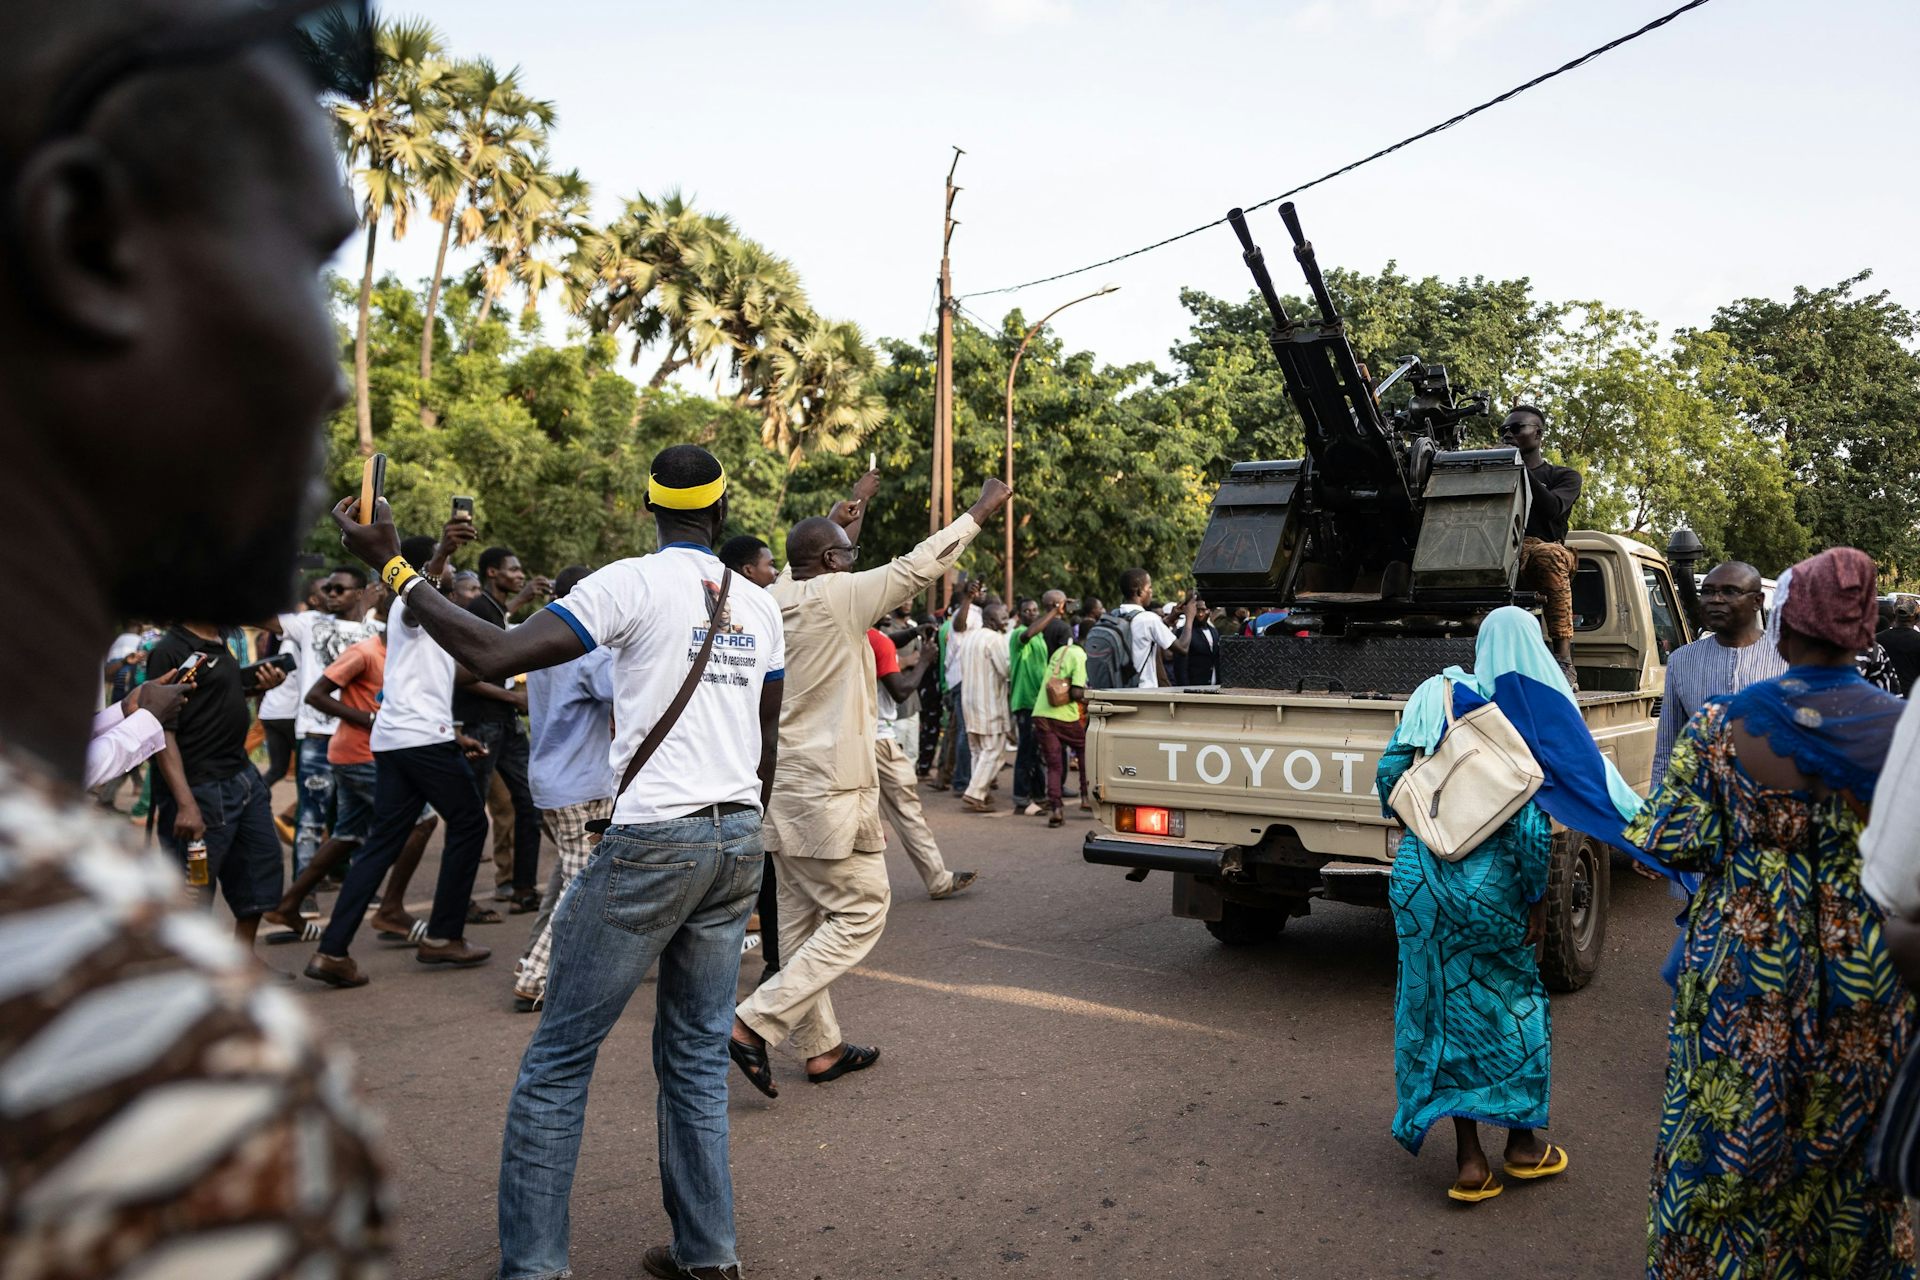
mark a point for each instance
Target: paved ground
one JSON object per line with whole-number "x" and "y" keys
{"x": 1075, "y": 1084}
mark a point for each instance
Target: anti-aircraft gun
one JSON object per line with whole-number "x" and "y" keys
{"x": 1387, "y": 542}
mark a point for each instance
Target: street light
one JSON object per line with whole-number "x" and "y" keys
{"x": 1013, "y": 370}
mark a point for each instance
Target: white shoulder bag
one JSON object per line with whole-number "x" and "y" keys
{"x": 1480, "y": 775}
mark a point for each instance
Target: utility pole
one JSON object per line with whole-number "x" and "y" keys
{"x": 941, "y": 503}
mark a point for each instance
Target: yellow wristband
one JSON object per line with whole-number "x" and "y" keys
{"x": 397, "y": 570}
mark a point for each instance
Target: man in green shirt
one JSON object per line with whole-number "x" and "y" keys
{"x": 1058, "y": 727}
{"x": 1026, "y": 668}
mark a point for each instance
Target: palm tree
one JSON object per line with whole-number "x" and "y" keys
{"x": 494, "y": 133}
{"x": 643, "y": 274}
{"x": 548, "y": 239}
{"x": 816, "y": 393}
{"x": 389, "y": 140}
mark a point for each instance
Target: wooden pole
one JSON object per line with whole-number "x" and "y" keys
{"x": 943, "y": 379}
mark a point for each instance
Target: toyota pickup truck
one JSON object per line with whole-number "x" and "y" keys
{"x": 1257, "y": 802}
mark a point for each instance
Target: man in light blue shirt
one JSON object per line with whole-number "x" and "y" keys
{"x": 570, "y": 718}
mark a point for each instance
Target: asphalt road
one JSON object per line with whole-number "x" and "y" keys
{"x": 1074, "y": 1084}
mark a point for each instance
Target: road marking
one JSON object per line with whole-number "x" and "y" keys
{"x": 1049, "y": 1001}
{"x": 1030, "y": 951}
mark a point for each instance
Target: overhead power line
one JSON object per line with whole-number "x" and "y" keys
{"x": 1448, "y": 123}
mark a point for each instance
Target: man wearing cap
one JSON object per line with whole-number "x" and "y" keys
{"x": 674, "y": 874}
{"x": 1902, "y": 642}
{"x": 824, "y": 818}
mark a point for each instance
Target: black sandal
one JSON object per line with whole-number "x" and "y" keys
{"x": 477, "y": 914}
{"x": 853, "y": 1057}
{"x": 752, "y": 1061}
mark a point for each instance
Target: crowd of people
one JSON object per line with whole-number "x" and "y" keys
{"x": 169, "y": 1112}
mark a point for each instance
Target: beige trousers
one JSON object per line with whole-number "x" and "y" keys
{"x": 832, "y": 911}
{"x": 989, "y": 753}
{"x": 900, "y": 806}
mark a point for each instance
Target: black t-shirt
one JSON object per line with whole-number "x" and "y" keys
{"x": 470, "y": 708}
{"x": 212, "y": 728}
{"x": 1903, "y": 646}
{"x": 1555, "y": 490}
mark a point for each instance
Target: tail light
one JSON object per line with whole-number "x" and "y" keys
{"x": 1144, "y": 820}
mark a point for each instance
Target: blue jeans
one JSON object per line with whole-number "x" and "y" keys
{"x": 315, "y": 785}
{"x": 243, "y": 849}
{"x": 353, "y": 789}
{"x": 679, "y": 892}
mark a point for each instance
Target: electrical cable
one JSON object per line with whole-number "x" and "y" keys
{"x": 1448, "y": 123}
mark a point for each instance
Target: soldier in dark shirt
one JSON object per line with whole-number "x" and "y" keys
{"x": 1546, "y": 564}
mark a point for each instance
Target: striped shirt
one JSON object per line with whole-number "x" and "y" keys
{"x": 1707, "y": 669}
{"x": 162, "y": 1112}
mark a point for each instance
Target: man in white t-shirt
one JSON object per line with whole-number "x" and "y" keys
{"x": 418, "y": 760}
{"x": 675, "y": 873}
{"x": 1151, "y": 636}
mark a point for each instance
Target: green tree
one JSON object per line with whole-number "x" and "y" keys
{"x": 389, "y": 140}
{"x": 1116, "y": 475}
{"x": 1836, "y": 384}
{"x": 1490, "y": 334}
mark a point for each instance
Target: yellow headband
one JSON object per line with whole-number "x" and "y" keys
{"x": 698, "y": 498}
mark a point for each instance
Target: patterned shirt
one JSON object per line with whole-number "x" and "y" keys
{"x": 161, "y": 1112}
{"x": 1707, "y": 669}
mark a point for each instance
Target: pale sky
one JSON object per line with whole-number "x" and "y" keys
{"x": 1747, "y": 147}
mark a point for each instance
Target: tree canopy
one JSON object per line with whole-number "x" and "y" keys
{"x": 1779, "y": 427}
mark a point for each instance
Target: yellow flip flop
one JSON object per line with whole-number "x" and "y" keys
{"x": 1554, "y": 1161}
{"x": 1474, "y": 1195}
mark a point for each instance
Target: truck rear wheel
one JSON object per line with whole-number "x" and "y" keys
{"x": 1578, "y": 886}
{"x": 1240, "y": 925}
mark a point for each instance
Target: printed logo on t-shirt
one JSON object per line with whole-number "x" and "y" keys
{"x": 733, "y": 645}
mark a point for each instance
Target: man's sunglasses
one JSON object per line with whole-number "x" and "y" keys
{"x": 332, "y": 39}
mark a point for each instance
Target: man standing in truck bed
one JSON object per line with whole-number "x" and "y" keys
{"x": 1546, "y": 565}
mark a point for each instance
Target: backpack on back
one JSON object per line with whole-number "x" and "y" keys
{"x": 1109, "y": 646}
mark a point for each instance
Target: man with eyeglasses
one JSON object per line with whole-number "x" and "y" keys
{"x": 169, "y": 196}
{"x": 1731, "y": 656}
{"x": 823, "y": 818}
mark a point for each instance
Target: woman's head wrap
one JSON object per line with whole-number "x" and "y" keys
{"x": 1834, "y": 599}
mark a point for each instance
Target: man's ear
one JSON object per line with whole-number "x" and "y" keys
{"x": 73, "y": 222}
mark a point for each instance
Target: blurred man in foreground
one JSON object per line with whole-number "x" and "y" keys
{"x": 171, "y": 198}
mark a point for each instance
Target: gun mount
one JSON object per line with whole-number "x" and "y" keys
{"x": 1388, "y": 523}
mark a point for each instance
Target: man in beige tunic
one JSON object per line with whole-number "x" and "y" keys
{"x": 823, "y": 821}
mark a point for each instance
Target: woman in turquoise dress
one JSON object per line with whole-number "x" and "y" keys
{"x": 1472, "y": 1037}
{"x": 1788, "y": 1018}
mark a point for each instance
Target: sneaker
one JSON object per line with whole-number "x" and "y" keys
{"x": 1032, "y": 809}
{"x": 962, "y": 881}
{"x": 659, "y": 1263}
{"x": 525, "y": 1001}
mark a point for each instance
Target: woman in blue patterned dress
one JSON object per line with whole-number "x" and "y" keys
{"x": 1788, "y": 1019}
{"x": 1471, "y": 1032}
